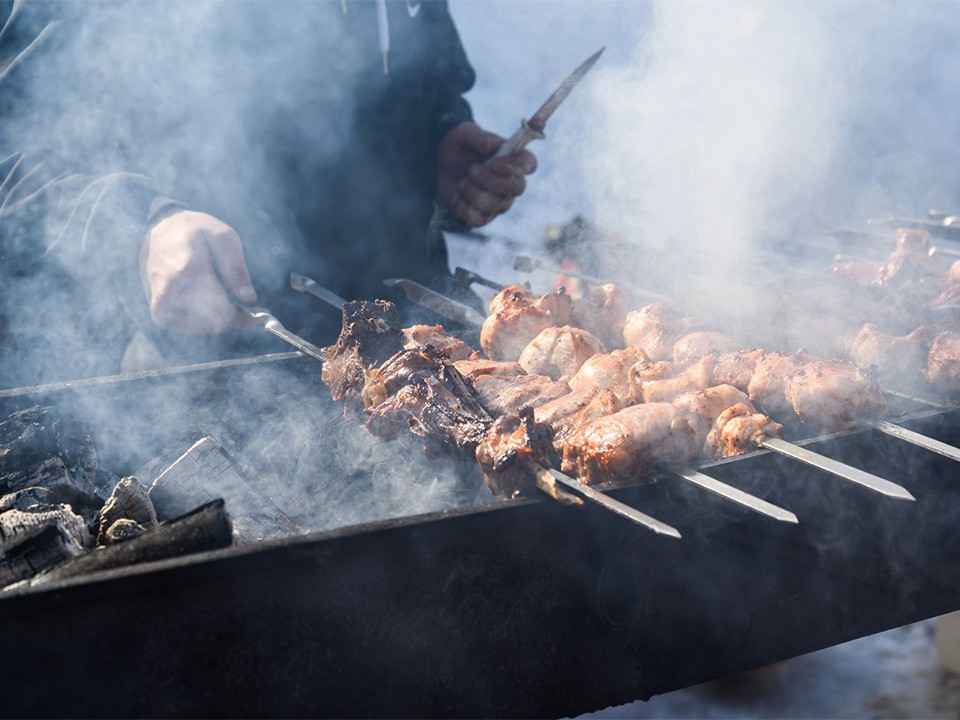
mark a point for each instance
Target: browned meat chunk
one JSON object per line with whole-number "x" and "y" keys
{"x": 738, "y": 430}
{"x": 768, "y": 386}
{"x": 472, "y": 369}
{"x": 695, "y": 345}
{"x": 611, "y": 371}
{"x": 420, "y": 391}
{"x": 558, "y": 352}
{"x": 629, "y": 444}
{"x": 680, "y": 379}
{"x": 703, "y": 407}
{"x": 370, "y": 334}
{"x": 513, "y": 452}
{"x": 567, "y": 413}
{"x": 832, "y": 395}
{"x": 736, "y": 368}
{"x": 860, "y": 273}
{"x": 603, "y": 312}
{"x": 655, "y": 328}
{"x": 943, "y": 362}
{"x": 501, "y": 394}
{"x": 895, "y": 358}
{"x": 517, "y": 316}
{"x": 418, "y": 336}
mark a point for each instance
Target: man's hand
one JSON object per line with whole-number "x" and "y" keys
{"x": 192, "y": 268}
{"x": 473, "y": 190}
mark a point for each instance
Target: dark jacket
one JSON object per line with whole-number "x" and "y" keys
{"x": 276, "y": 117}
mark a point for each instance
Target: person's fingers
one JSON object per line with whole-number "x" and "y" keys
{"x": 504, "y": 185}
{"x": 523, "y": 162}
{"x": 475, "y": 140}
{"x": 471, "y": 215}
{"x": 226, "y": 256}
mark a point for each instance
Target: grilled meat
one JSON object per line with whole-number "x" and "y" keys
{"x": 662, "y": 384}
{"x": 503, "y": 394}
{"x": 768, "y": 385}
{"x": 568, "y": 412}
{"x": 420, "y": 390}
{"x": 611, "y": 371}
{"x": 474, "y": 368}
{"x": 738, "y": 430}
{"x": 702, "y": 342}
{"x": 703, "y": 407}
{"x": 558, "y": 352}
{"x": 417, "y": 336}
{"x": 894, "y": 358}
{"x": 629, "y": 444}
{"x": 370, "y": 334}
{"x": 655, "y": 328}
{"x": 833, "y": 394}
{"x": 517, "y": 316}
{"x": 736, "y": 368}
{"x": 513, "y": 452}
{"x": 603, "y": 311}
{"x": 943, "y": 362}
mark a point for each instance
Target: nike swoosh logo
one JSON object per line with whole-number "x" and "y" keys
{"x": 412, "y": 9}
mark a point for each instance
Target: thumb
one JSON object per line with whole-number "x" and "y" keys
{"x": 226, "y": 254}
{"x": 481, "y": 142}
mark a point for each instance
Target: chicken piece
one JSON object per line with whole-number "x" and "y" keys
{"x": 558, "y": 352}
{"x": 683, "y": 378}
{"x": 893, "y": 357}
{"x": 832, "y": 395}
{"x": 418, "y": 336}
{"x": 738, "y": 430}
{"x": 603, "y": 312}
{"x": 943, "y": 362}
{"x": 953, "y": 275}
{"x": 567, "y": 413}
{"x": 501, "y": 395}
{"x": 768, "y": 385}
{"x": 517, "y": 316}
{"x": 736, "y": 368}
{"x": 474, "y": 368}
{"x": 654, "y": 328}
{"x": 703, "y": 407}
{"x": 512, "y": 452}
{"x": 695, "y": 345}
{"x": 421, "y": 391}
{"x": 370, "y": 334}
{"x": 629, "y": 444}
{"x": 611, "y": 371}
{"x": 860, "y": 273}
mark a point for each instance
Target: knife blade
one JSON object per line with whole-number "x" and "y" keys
{"x": 302, "y": 283}
{"x": 440, "y": 304}
{"x": 532, "y": 129}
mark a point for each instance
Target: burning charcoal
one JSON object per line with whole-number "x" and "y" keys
{"x": 206, "y": 471}
{"x": 15, "y": 524}
{"x": 27, "y": 498}
{"x": 34, "y": 553}
{"x": 129, "y": 501}
{"x": 121, "y": 529}
{"x": 35, "y": 450}
{"x": 206, "y": 528}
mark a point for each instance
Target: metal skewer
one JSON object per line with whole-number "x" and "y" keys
{"x": 438, "y": 303}
{"x": 835, "y": 467}
{"x": 307, "y": 285}
{"x": 524, "y": 263}
{"x": 615, "y": 506}
{"x": 928, "y": 443}
{"x": 272, "y": 325}
{"x": 734, "y": 494}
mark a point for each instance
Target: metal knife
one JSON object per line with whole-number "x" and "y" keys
{"x": 303, "y": 284}
{"x": 532, "y": 129}
{"x": 440, "y": 304}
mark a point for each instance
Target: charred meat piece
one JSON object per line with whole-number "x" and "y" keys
{"x": 738, "y": 430}
{"x": 474, "y": 368}
{"x": 603, "y": 311}
{"x": 558, "y": 352}
{"x": 611, "y": 371}
{"x": 629, "y": 444}
{"x": 736, "y": 368}
{"x": 832, "y": 395}
{"x": 513, "y": 453}
{"x": 655, "y": 328}
{"x": 893, "y": 357}
{"x": 702, "y": 342}
{"x": 943, "y": 362}
{"x": 421, "y": 391}
{"x": 370, "y": 334}
{"x": 677, "y": 378}
{"x": 517, "y": 316}
{"x": 417, "y": 336}
{"x": 567, "y": 413}
{"x": 501, "y": 394}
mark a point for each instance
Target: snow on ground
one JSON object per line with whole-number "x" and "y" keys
{"x": 522, "y": 50}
